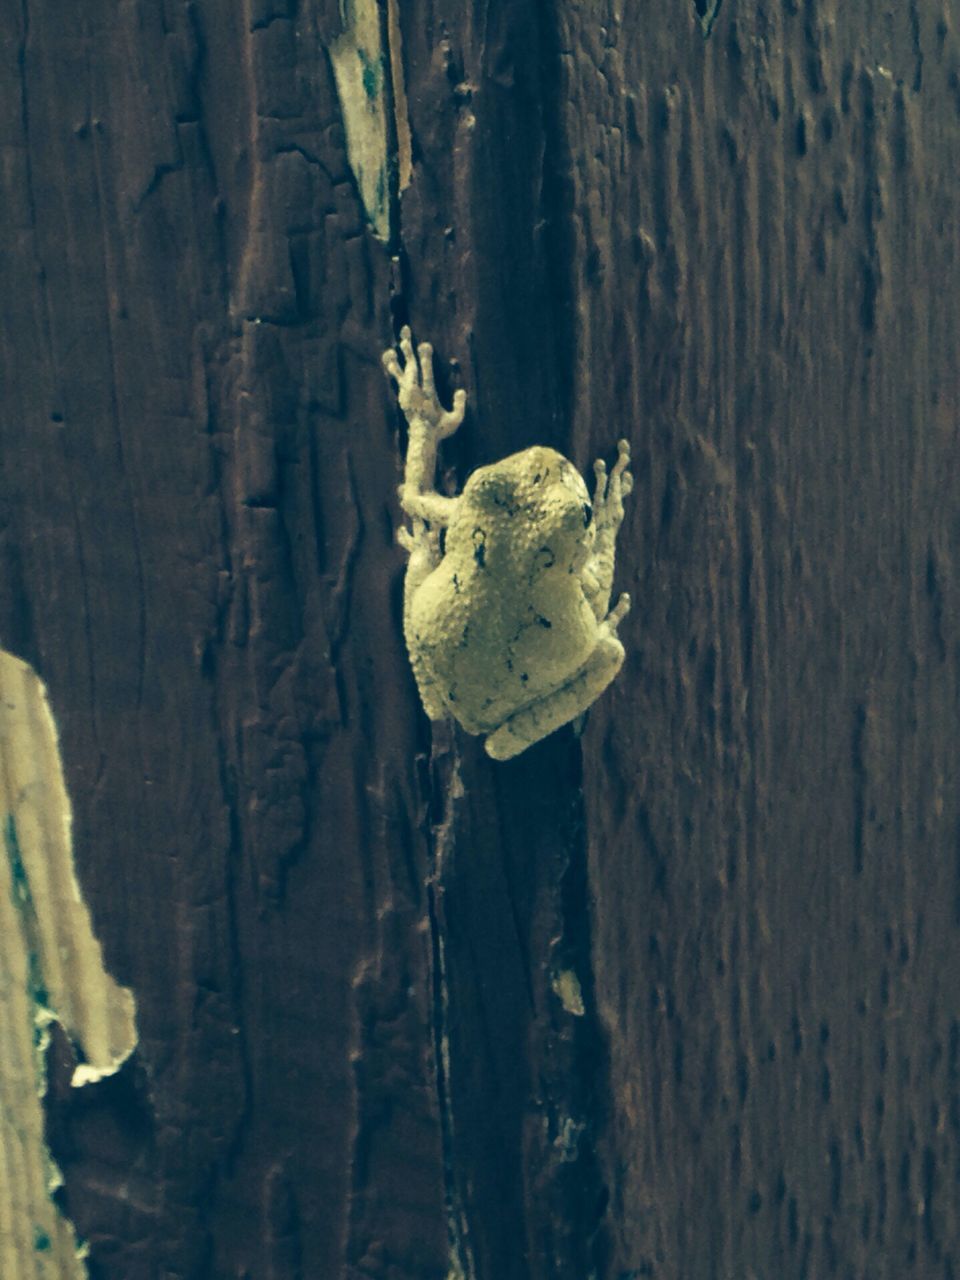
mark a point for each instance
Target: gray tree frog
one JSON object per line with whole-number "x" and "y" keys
{"x": 507, "y": 619}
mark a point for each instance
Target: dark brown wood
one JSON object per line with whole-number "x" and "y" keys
{"x": 346, "y": 935}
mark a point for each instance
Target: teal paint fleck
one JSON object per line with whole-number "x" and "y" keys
{"x": 18, "y": 873}
{"x": 41, "y": 1241}
{"x": 372, "y": 75}
{"x": 23, "y": 901}
{"x": 37, "y": 987}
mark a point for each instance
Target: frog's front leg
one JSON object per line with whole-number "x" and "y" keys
{"x": 541, "y": 717}
{"x": 608, "y": 499}
{"x": 429, "y": 423}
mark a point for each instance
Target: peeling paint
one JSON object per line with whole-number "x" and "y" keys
{"x": 367, "y": 62}
{"x": 359, "y": 71}
{"x": 51, "y": 969}
{"x": 566, "y": 985}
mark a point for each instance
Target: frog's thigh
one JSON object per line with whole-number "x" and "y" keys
{"x": 422, "y": 563}
{"x": 566, "y": 703}
{"x": 427, "y": 688}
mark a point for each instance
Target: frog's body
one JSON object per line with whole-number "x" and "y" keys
{"x": 503, "y": 618}
{"x": 508, "y": 630}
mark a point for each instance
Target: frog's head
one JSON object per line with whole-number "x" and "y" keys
{"x": 537, "y": 496}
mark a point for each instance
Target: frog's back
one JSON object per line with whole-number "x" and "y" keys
{"x": 503, "y": 619}
{"x": 459, "y": 631}
{"x": 489, "y": 652}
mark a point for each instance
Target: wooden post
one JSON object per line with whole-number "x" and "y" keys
{"x": 677, "y": 996}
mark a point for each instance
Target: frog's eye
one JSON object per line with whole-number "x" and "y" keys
{"x": 587, "y": 514}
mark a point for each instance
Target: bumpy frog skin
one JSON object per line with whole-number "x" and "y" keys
{"x": 507, "y": 626}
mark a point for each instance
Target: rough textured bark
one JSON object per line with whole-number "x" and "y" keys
{"x": 677, "y": 997}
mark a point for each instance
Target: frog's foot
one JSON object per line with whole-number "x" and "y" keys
{"x": 538, "y": 719}
{"x": 421, "y": 542}
{"x": 417, "y": 392}
{"x": 612, "y": 489}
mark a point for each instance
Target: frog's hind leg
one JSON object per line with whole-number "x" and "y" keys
{"x": 426, "y": 687}
{"x": 544, "y": 715}
{"x": 424, "y": 550}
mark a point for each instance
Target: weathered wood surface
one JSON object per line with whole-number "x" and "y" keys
{"x": 347, "y": 940}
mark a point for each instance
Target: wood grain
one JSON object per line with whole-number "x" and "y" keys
{"x": 349, "y": 941}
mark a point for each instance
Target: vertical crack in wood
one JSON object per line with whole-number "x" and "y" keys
{"x": 556, "y": 210}
{"x": 576, "y": 1078}
{"x": 446, "y": 783}
{"x": 398, "y": 94}
{"x": 592, "y": 1055}
{"x": 707, "y": 14}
